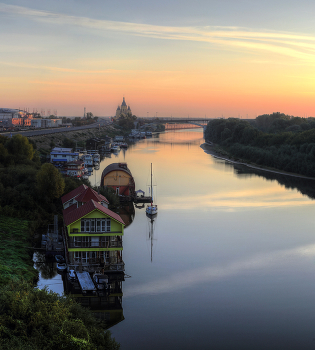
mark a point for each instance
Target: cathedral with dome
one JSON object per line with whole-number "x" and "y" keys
{"x": 123, "y": 109}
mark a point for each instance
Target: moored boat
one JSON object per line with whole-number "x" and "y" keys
{"x": 115, "y": 148}
{"x": 96, "y": 158}
{"x": 151, "y": 209}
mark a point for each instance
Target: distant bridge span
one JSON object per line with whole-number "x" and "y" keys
{"x": 195, "y": 121}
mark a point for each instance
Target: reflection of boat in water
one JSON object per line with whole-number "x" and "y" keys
{"x": 61, "y": 267}
{"x": 151, "y": 230}
{"x": 71, "y": 276}
{"x": 151, "y": 209}
{"x": 59, "y": 258}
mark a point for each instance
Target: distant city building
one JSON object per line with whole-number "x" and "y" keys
{"x": 123, "y": 109}
{"x": 8, "y": 113}
{"x": 13, "y": 117}
{"x": 16, "y": 118}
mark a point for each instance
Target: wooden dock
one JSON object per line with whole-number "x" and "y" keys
{"x": 142, "y": 199}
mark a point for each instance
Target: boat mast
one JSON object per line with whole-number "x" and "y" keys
{"x": 151, "y": 188}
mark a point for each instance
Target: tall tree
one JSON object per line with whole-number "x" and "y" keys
{"x": 50, "y": 182}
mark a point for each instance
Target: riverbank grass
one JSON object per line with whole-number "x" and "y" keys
{"x": 15, "y": 257}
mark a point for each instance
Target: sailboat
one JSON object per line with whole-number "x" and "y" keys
{"x": 152, "y": 208}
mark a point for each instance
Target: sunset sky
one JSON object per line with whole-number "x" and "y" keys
{"x": 175, "y": 58}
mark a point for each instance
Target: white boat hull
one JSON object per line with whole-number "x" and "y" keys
{"x": 151, "y": 209}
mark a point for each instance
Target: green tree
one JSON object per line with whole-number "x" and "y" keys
{"x": 50, "y": 182}
{"x": 127, "y": 121}
{"x": 111, "y": 195}
{"x": 20, "y": 147}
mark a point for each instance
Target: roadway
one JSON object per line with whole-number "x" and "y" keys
{"x": 47, "y": 131}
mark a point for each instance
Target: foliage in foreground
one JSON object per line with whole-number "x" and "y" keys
{"x": 36, "y": 319}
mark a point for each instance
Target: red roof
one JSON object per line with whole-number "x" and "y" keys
{"x": 73, "y": 193}
{"x": 89, "y": 194}
{"x": 70, "y": 208}
{"x": 73, "y": 215}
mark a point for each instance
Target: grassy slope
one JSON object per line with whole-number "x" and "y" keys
{"x": 15, "y": 258}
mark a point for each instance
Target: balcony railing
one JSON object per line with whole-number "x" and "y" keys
{"x": 86, "y": 233}
{"x": 110, "y": 244}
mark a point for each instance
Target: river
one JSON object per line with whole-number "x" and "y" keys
{"x": 231, "y": 261}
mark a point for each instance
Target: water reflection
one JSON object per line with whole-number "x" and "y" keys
{"x": 46, "y": 267}
{"x": 105, "y": 305}
{"x": 151, "y": 227}
{"x": 127, "y": 213}
{"x": 237, "y": 199}
{"x": 303, "y": 185}
{"x": 191, "y": 278}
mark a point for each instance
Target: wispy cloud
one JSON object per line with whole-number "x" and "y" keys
{"x": 58, "y": 69}
{"x": 300, "y": 47}
{"x": 191, "y": 278}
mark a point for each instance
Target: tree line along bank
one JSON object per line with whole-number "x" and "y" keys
{"x": 273, "y": 140}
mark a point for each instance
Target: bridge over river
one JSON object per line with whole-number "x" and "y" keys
{"x": 181, "y": 123}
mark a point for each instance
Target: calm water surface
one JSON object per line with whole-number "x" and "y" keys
{"x": 233, "y": 254}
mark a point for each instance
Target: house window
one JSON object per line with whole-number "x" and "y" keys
{"x": 107, "y": 225}
{"x": 77, "y": 256}
{"x": 92, "y": 225}
{"x": 77, "y": 241}
{"x": 117, "y": 190}
{"x": 85, "y": 257}
{"x": 103, "y": 225}
{"x": 98, "y": 225}
{"x": 95, "y": 241}
{"x": 95, "y": 225}
{"x": 105, "y": 242}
